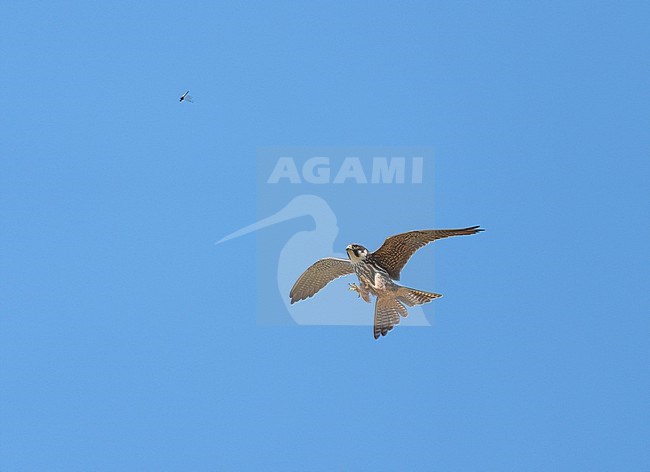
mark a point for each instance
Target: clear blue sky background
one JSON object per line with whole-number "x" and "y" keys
{"x": 128, "y": 340}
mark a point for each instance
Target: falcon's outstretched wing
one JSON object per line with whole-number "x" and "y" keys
{"x": 397, "y": 250}
{"x": 318, "y": 275}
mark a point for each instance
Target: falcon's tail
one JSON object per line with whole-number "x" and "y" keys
{"x": 387, "y": 313}
{"x": 390, "y": 306}
{"x": 412, "y": 297}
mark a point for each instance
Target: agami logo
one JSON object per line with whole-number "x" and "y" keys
{"x": 311, "y": 204}
{"x": 318, "y": 170}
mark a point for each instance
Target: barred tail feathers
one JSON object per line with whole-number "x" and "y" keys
{"x": 390, "y": 307}
{"x": 387, "y": 313}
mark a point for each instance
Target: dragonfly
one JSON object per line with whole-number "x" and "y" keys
{"x": 186, "y": 98}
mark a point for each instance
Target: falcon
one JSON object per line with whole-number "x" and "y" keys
{"x": 186, "y": 98}
{"x": 377, "y": 272}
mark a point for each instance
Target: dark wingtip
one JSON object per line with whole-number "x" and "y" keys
{"x": 295, "y": 299}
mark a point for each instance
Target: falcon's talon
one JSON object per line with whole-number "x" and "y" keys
{"x": 360, "y": 292}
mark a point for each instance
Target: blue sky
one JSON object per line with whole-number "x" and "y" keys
{"x": 129, "y": 341}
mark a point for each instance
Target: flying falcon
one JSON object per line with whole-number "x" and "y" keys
{"x": 186, "y": 98}
{"x": 376, "y": 272}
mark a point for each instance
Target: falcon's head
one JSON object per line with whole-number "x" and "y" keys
{"x": 356, "y": 252}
